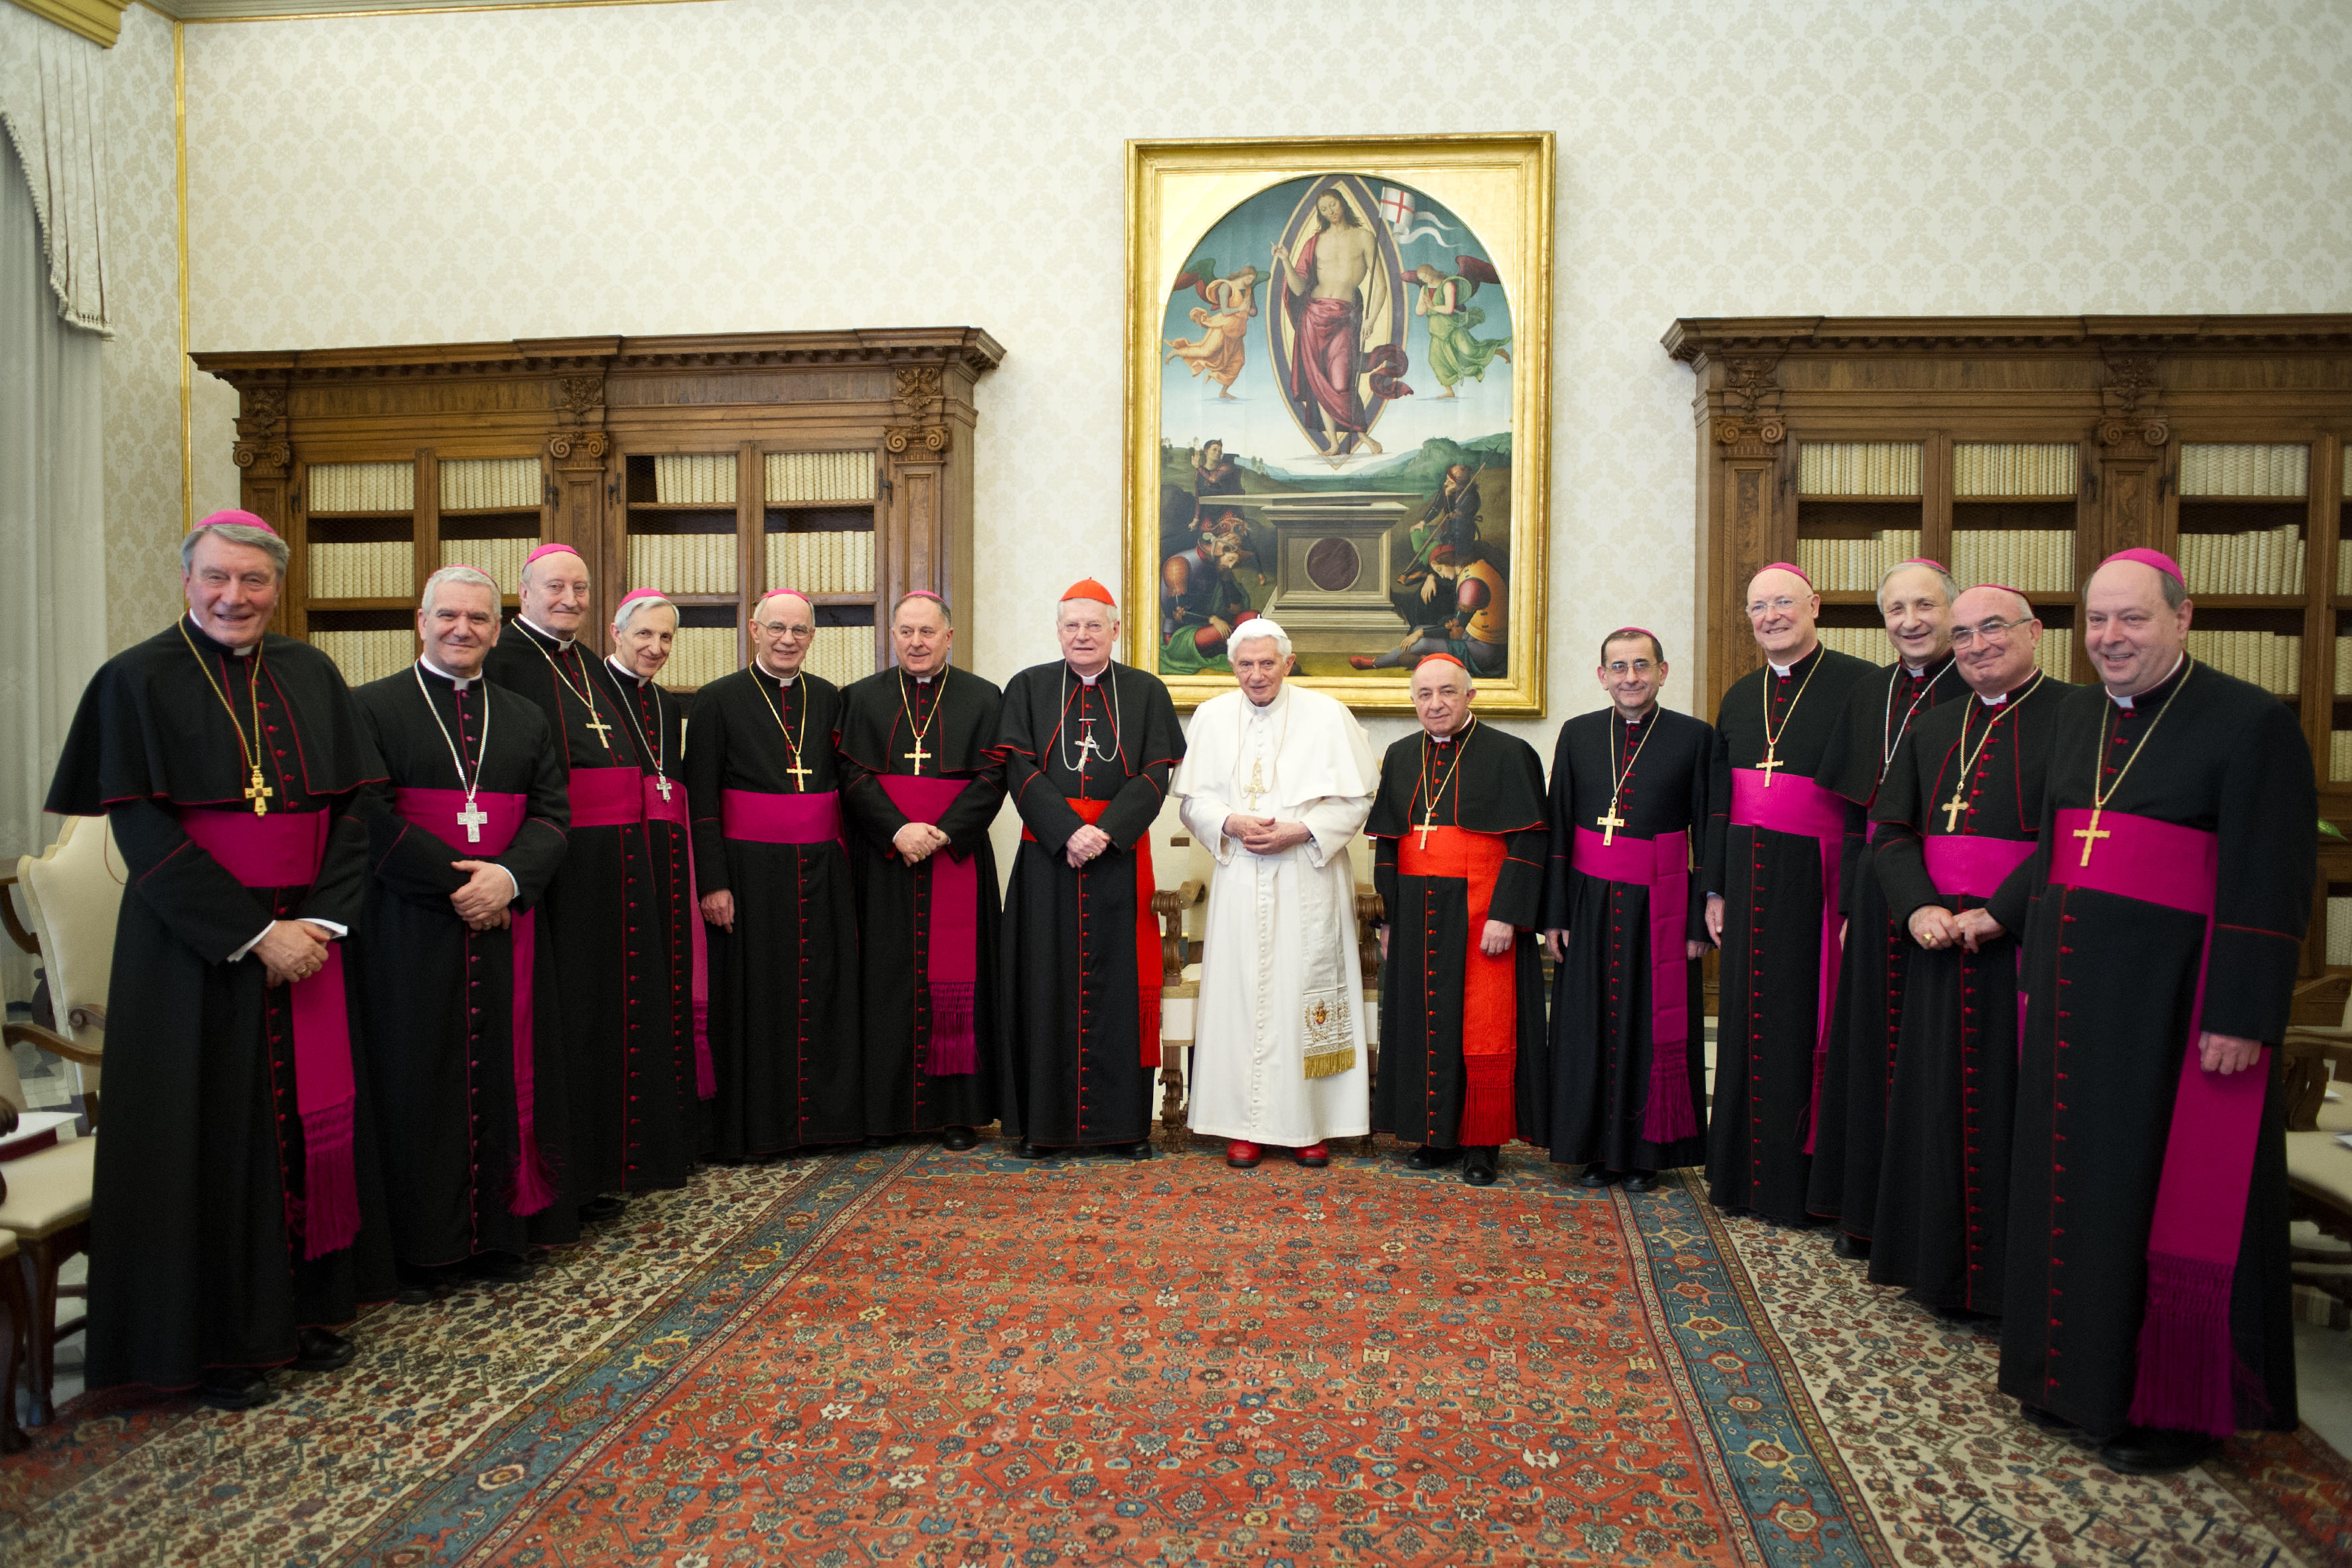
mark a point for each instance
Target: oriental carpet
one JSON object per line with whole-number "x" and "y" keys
{"x": 907, "y": 1356}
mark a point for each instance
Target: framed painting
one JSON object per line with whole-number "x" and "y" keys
{"x": 1339, "y": 409}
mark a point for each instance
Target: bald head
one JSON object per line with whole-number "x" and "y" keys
{"x": 783, "y": 626}
{"x": 553, "y": 593}
{"x": 1783, "y": 610}
{"x": 1994, "y": 635}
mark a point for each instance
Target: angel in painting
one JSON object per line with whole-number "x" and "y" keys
{"x": 1223, "y": 318}
{"x": 1453, "y": 352}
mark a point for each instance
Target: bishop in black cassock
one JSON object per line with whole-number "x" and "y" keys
{"x": 238, "y": 1212}
{"x": 769, "y": 845}
{"x": 1628, "y": 807}
{"x": 1086, "y": 743}
{"x": 1459, "y": 841}
{"x": 2147, "y": 1294}
{"x": 1955, "y": 821}
{"x": 471, "y": 1083}
{"x": 1773, "y": 853}
{"x": 603, "y": 912}
{"x": 922, "y": 786}
{"x": 1850, "y": 1124}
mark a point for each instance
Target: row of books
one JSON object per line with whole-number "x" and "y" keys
{"x": 705, "y": 477}
{"x": 2344, "y": 560}
{"x": 501, "y": 559}
{"x": 2343, "y": 687}
{"x": 2271, "y": 660}
{"x": 2339, "y": 764}
{"x": 2340, "y": 911}
{"x": 382, "y": 569}
{"x": 2263, "y": 561}
{"x": 699, "y": 656}
{"x": 481, "y": 484}
{"x": 683, "y": 563}
{"x": 2054, "y": 653}
{"x": 1858, "y": 468}
{"x": 1854, "y": 565}
{"x": 796, "y": 478}
{"x": 2013, "y": 468}
{"x": 829, "y": 563}
{"x": 364, "y": 487}
{"x": 2030, "y": 560}
{"x": 2280, "y": 472}
{"x": 842, "y": 654}
{"x": 363, "y": 656}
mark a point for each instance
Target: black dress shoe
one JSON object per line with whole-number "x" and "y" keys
{"x": 1141, "y": 1150}
{"x": 321, "y": 1349}
{"x": 1024, "y": 1149}
{"x": 234, "y": 1388}
{"x": 600, "y": 1208}
{"x": 1641, "y": 1180}
{"x": 1853, "y": 1248}
{"x": 497, "y": 1268}
{"x": 1479, "y": 1166}
{"x": 1596, "y": 1174}
{"x": 1429, "y": 1156}
{"x": 870, "y": 1141}
{"x": 958, "y": 1138}
{"x": 419, "y": 1287}
{"x": 2047, "y": 1420}
{"x": 2156, "y": 1450}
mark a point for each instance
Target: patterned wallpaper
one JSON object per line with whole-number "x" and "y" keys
{"x": 775, "y": 166}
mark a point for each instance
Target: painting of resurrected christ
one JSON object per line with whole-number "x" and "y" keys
{"x": 1341, "y": 372}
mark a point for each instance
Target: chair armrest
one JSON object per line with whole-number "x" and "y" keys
{"x": 86, "y": 1015}
{"x": 16, "y": 927}
{"x": 57, "y": 1044}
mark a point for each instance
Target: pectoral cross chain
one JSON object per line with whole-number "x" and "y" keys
{"x": 1952, "y": 810}
{"x": 1608, "y": 821}
{"x": 2091, "y": 836}
{"x": 471, "y": 819}
{"x": 258, "y": 793}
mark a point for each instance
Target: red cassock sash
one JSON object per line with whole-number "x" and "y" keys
{"x": 2186, "y": 1365}
{"x": 1962, "y": 863}
{"x": 1662, "y": 865}
{"x": 760, "y": 817}
{"x": 607, "y": 797}
{"x": 951, "y": 952}
{"x": 1148, "y": 963}
{"x": 706, "y": 1077}
{"x": 432, "y": 810}
{"x": 1490, "y": 982}
{"x": 284, "y": 850}
{"x": 1803, "y": 808}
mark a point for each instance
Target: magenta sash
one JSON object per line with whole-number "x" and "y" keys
{"x": 434, "y": 811}
{"x": 1662, "y": 865}
{"x": 706, "y": 1077}
{"x": 1965, "y": 863}
{"x": 951, "y": 955}
{"x": 762, "y": 817}
{"x": 283, "y": 850}
{"x": 2186, "y": 1365}
{"x": 607, "y": 797}
{"x": 1803, "y": 808}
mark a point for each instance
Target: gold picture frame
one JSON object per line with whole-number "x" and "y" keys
{"x": 1337, "y": 374}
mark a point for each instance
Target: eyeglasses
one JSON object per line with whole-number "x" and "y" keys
{"x": 1620, "y": 669}
{"x": 1994, "y": 632}
{"x": 1780, "y": 606}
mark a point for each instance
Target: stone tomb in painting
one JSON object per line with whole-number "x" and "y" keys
{"x": 1334, "y": 560}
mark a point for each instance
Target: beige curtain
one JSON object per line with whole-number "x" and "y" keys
{"x": 53, "y": 107}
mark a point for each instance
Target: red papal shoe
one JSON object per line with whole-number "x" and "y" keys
{"x": 1315, "y": 1155}
{"x": 1241, "y": 1156}
{"x": 1362, "y": 661}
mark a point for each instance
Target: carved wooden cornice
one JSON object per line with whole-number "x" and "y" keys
{"x": 1693, "y": 339}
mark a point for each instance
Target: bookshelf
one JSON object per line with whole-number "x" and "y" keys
{"x": 712, "y": 467}
{"x": 2025, "y": 449}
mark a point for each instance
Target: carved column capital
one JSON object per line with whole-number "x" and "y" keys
{"x": 928, "y": 441}
{"x": 264, "y": 459}
{"x": 578, "y": 449}
{"x": 2130, "y": 410}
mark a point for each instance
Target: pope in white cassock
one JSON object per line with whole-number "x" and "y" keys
{"x": 1276, "y": 780}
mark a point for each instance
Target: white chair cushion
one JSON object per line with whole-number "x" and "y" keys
{"x": 50, "y": 1190}
{"x": 73, "y": 893}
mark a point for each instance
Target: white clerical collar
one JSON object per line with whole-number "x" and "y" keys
{"x": 2125, "y": 702}
{"x": 1915, "y": 670}
{"x": 1782, "y": 670}
{"x": 1090, "y": 679}
{"x": 780, "y": 680}
{"x": 562, "y": 644}
{"x": 1265, "y": 710}
{"x": 459, "y": 681}
{"x": 245, "y": 652}
{"x": 619, "y": 668}
{"x": 1992, "y": 702}
{"x": 922, "y": 680}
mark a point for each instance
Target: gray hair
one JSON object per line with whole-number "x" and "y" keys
{"x": 629, "y": 608}
{"x": 1259, "y": 629}
{"x": 261, "y": 538}
{"x": 1951, "y": 585}
{"x": 471, "y": 576}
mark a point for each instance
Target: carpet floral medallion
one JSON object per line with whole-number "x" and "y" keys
{"x": 908, "y": 1356}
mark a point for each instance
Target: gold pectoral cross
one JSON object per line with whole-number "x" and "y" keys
{"x": 1952, "y": 809}
{"x": 919, "y": 756}
{"x": 1087, "y": 750}
{"x": 1608, "y": 821}
{"x": 1768, "y": 765}
{"x": 800, "y": 775}
{"x": 1428, "y": 826}
{"x": 596, "y": 723}
{"x": 1256, "y": 786}
{"x": 2091, "y": 836}
{"x": 258, "y": 793}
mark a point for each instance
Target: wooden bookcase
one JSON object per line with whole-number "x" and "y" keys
{"x": 2219, "y": 439}
{"x": 709, "y": 467}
